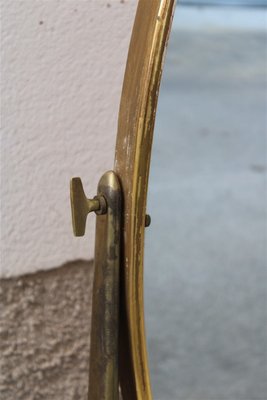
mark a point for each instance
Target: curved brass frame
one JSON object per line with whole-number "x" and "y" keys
{"x": 132, "y": 161}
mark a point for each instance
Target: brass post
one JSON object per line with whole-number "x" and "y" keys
{"x": 103, "y": 372}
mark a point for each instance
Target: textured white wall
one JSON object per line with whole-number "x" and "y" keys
{"x": 62, "y": 70}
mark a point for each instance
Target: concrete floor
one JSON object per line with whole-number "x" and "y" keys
{"x": 205, "y": 264}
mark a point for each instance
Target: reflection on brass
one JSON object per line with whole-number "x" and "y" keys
{"x": 132, "y": 160}
{"x": 103, "y": 373}
{"x": 81, "y": 206}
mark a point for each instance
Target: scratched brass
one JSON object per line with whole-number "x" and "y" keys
{"x": 132, "y": 160}
{"x": 103, "y": 372}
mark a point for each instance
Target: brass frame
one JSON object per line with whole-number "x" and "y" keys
{"x": 118, "y": 343}
{"x": 132, "y": 161}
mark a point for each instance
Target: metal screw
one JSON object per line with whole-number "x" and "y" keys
{"x": 147, "y": 220}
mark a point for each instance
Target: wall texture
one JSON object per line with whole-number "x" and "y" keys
{"x": 44, "y": 338}
{"x": 62, "y": 71}
{"x": 62, "y": 68}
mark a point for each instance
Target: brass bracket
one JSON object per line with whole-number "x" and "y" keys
{"x": 81, "y": 206}
{"x": 103, "y": 373}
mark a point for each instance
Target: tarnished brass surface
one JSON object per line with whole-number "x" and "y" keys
{"x": 132, "y": 160}
{"x": 103, "y": 373}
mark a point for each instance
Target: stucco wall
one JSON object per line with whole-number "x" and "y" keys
{"x": 45, "y": 326}
{"x": 62, "y": 70}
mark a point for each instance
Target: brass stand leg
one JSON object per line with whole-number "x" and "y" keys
{"x": 103, "y": 373}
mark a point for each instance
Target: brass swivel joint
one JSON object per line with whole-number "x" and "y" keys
{"x": 81, "y": 206}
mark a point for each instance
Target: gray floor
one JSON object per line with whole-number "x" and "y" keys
{"x": 205, "y": 265}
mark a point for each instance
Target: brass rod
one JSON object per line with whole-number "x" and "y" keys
{"x": 103, "y": 374}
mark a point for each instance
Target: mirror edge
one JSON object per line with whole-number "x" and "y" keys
{"x": 132, "y": 163}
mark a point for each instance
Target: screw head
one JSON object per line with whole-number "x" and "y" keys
{"x": 147, "y": 220}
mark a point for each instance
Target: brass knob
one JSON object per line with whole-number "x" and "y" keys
{"x": 81, "y": 206}
{"x": 147, "y": 220}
